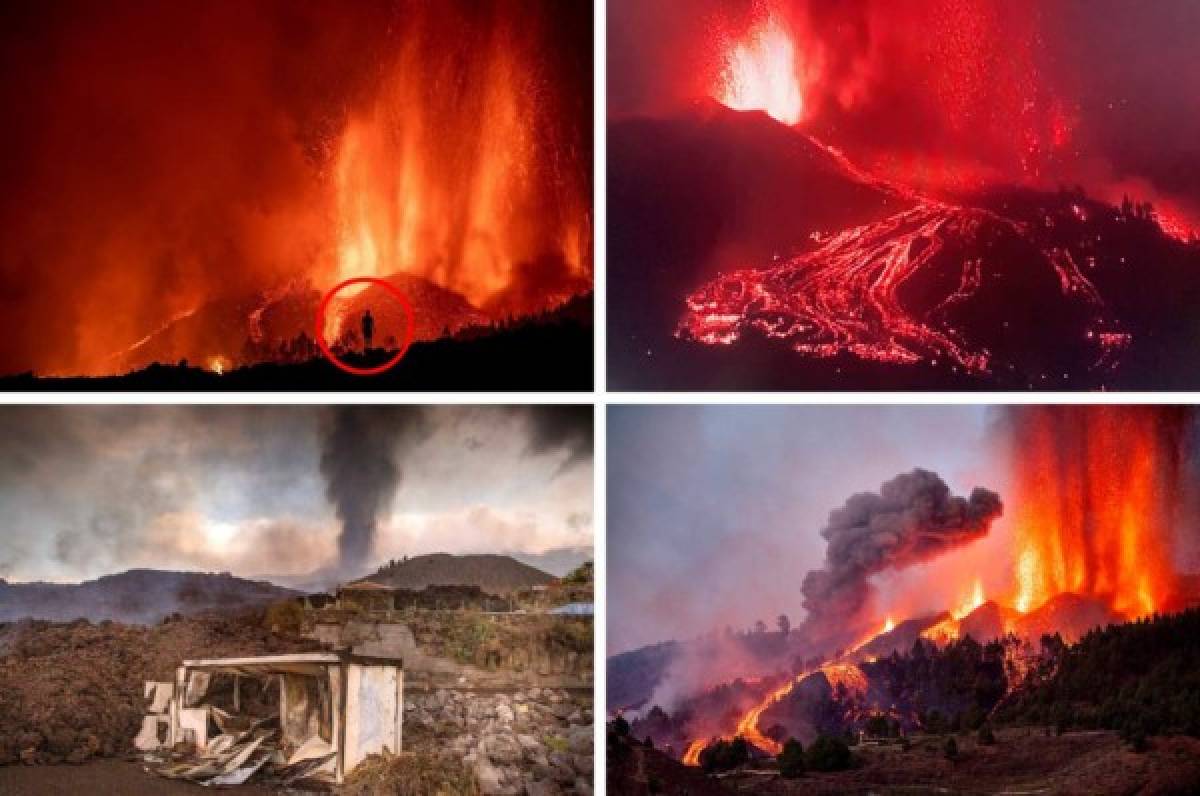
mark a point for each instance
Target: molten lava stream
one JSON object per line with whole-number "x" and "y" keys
{"x": 845, "y": 295}
{"x": 748, "y": 726}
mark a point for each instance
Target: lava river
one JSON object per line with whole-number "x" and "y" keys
{"x": 846, "y": 673}
{"x": 848, "y": 295}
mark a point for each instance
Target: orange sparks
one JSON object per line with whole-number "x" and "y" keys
{"x": 1092, "y": 504}
{"x": 462, "y": 193}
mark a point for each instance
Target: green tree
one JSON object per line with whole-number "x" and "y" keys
{"x": 791, "y": 759}
{"x": 725, "y": 755}
{"x": 827, "y": 753}
{"x": 621, "y": 726}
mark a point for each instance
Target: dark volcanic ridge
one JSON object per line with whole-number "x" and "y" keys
{"x": 137, "y": 596}
{"x": 494, "y": 574}
{"x": 550, "y": 351}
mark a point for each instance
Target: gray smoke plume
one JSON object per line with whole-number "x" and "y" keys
{"x": 359, "y": 450}
{"x": 914, "y": 518}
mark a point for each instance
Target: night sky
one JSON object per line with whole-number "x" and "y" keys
{"x": 1101, "y": 93}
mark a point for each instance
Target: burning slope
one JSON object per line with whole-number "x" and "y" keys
{"x": 840, "y": 675}
{"x": 277, "y": 325}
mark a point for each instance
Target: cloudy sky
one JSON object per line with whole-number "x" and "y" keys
{"x": 93, "y": 490}
{"x": 714, "y": 512}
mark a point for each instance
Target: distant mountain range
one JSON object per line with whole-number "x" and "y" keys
{"x": 138, "y": 596}
{"x": 559, "y": 561}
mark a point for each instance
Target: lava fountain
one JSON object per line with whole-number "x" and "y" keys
{"x": 760, "y": 74}
{"x": 1096, "y": 490}
{"x": 458, "y": 171}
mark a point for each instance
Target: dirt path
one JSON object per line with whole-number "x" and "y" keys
{"x": 100, "y": 778}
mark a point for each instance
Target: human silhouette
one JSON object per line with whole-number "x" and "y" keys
{"x": 368, "y": 329}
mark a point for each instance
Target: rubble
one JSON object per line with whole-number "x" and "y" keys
{"x": 308, "y": 716}
{"x": 73, "y": 691}
{"x": 537, "y": 740}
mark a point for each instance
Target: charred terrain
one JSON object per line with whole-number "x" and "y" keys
{"x": 496, "y": 700}
{"x": 139, "y": 596}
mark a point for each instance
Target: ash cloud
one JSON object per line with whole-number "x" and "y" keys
{"x": 912, "y": 519}
{"x": 360, "y": 460}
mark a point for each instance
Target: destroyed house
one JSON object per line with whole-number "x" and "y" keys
{"x": 294, "y": 718}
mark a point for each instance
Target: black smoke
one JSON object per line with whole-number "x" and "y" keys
{"x": 562, "y": 426}
{"x": 360, "y": 449}
{"x": 912, "y": 519}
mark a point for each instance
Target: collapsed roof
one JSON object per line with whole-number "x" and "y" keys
{"x": 299, "y": 717}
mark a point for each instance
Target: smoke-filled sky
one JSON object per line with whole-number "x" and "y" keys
{"x": 88, "y": 490}
{"x": 716, "y": 514}
{"x": 1096, "y": 92}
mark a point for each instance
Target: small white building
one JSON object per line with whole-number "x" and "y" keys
{"x": 333, "y": 710}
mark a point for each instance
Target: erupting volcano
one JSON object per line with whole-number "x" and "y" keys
{"x": 929, "y": 609}
{"x": 194, "y": 203}
{"x": 940, "y": 194}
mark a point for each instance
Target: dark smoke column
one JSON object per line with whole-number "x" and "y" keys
{"x": 359, "y": 461}
{"x": 914, "y": 518}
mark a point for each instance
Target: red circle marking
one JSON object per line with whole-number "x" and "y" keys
{"x": 408, "y": 326}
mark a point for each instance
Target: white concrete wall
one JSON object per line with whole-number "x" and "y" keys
{"x": 374, "y": 711}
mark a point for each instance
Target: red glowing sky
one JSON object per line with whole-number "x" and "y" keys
{"x": 943, "y": 93}
{"x": 159, "y": 156}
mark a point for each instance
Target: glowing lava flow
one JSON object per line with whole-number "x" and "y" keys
{"x": 846, "y": 674}
{"x": 760, "y": 74}
{"x": 847, "y": 295}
